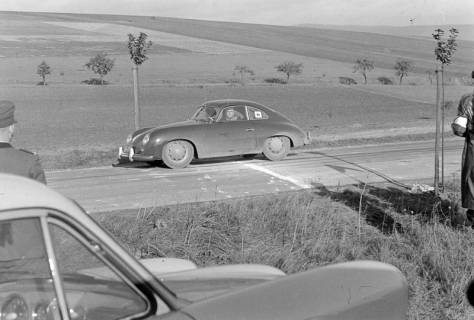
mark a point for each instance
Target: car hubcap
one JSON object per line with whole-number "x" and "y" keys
{"x": 275, "y": 145}
{"x": 177, "y": 152}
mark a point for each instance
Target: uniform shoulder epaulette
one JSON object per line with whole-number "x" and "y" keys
{"x": 27, "y": 151}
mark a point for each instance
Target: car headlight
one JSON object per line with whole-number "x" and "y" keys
{"x": 145, "y": 139}
{"x": 15, "y": 308}
{"x": 129, "y": 138}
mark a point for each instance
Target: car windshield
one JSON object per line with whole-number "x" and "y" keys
{"x": 205, "y": 113}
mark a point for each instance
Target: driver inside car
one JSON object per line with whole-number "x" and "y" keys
{"x": 232, "y": 115}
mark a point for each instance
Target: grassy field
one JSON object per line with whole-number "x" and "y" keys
{"x": 57, "y": 120}
{"x": 338, "y": 45}
{"x": 86, "y": 122}
{"x": 418, "y": 233}
{"x": 40, "y": 34}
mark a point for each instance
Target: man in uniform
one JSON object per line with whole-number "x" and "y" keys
{"x": 16, "y": 161}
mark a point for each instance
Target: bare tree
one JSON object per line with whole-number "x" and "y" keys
{"x": 100, "y": 65}
{"x": 402, "y": 67}
{"x": 137, "y": 47}
{"x": 289, "y": 68}
{"x": 363, "y": 66}
{"x": 242, "y": 70}
{"x": 43, "y": 70}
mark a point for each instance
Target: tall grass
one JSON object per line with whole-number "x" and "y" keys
{"x": 299, "y": 231}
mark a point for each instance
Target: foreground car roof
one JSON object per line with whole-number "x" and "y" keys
{"x": 18, "y": 192}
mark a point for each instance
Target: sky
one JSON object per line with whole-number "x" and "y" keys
{"x": 278, "y": 12}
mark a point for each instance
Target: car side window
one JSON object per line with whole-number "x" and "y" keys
{"x": 26, "y": 283}
{"x": 93, "y": 290}
{"x": 256, "y": 114}
{"x": 233, "y": 113}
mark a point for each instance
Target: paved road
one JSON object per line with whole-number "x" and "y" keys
{"x": 110, "y": 188}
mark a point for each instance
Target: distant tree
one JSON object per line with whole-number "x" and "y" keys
{"x": 43, "y": 70}
{"x": 402, "y": 67}
{"x": 242, "y": 70}
{"x": 347, "y": 80}
{"x": 100, "y": 65}
{"x": 137, "y": 47}
{"x": 384, "y": 80}
{"x": 363, "y": 66}
{"x": 289, "y": 68}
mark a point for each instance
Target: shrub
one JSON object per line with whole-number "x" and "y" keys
{"x": 233, "y": 81}
{"x": 100, "y": 65}
{"x": 95, "y": 81}
{"x": 347, "y": 80}
{"x": 275, "y": 80}
{"x": 289, "y": 68}
{"x": 385, "y": 80}
{"x": 43, "y": 70}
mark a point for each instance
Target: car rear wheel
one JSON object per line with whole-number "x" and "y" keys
{"x": 276, "y": 148}
{"x": 177, "y": 154}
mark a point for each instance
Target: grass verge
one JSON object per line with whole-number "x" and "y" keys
{"x": 302, "y": 230}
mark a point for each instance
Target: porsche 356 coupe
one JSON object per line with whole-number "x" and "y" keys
{"x": 218, "y": 128}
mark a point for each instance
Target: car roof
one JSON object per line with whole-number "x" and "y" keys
{"x": 18, "y": 192}
{"x": 230, "y": 102}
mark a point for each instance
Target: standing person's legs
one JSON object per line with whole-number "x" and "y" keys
{"x": 470, "y": 217}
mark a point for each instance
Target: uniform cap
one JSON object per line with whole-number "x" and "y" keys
{"x": 7, "y": 110}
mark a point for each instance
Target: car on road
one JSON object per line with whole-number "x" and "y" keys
{"x": 57, "y": 263}
{"x": 218, "y": 128}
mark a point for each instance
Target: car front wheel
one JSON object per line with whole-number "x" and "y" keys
{"x": 276, "y": 148}
{"x": 177, "y": 154}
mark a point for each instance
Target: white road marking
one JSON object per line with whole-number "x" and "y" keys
{"x": 278, "y": 176}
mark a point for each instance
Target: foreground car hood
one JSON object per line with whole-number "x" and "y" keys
{"x": 193, "y": 284}
{"x": 353, "y": 290}
{"x": 199, "y": 284}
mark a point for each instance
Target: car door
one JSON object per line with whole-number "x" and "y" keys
{"x": 232, "y": 133}
{"x": 260, "y": 121}
{"x": 48, "y": 270}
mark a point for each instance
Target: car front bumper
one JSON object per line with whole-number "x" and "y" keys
{"x": 128, "y": 153}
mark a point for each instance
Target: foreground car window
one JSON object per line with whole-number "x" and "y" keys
{"x": 93, "y": 290}
{"x": 26, "y": 285}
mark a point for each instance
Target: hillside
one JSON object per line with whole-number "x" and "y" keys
{"x": 338, "y": 45}
{"x": 466, "y": 31}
